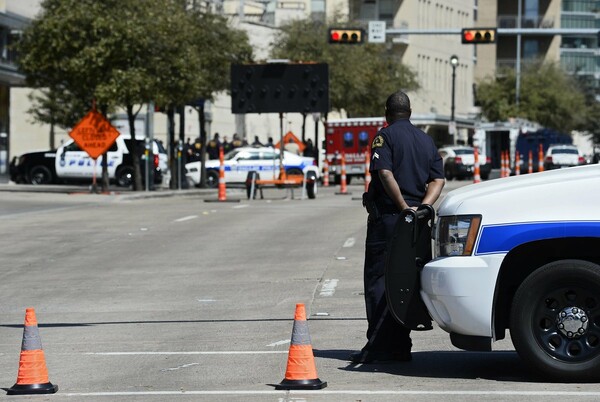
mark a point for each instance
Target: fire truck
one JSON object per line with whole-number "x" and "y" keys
{"x": 352, "y": 138}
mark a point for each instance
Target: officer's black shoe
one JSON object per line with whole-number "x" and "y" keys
{"x": 366, "y": 357}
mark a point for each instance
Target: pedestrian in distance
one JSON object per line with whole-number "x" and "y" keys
{"x": 256, "y": 142}
{"x": 270, "y": 143}
{"x": 236, "y": 142}
{"x": 309, "y": 149}
{"x": 407, "y": 172}
{"x": 227, "y": 146}
{"x": 213, "y": 147}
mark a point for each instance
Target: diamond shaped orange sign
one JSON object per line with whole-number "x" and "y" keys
{"x": 94, "y": 134}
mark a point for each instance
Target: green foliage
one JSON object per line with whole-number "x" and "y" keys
{"x": 361, "y": 77}
{"x": 126, "y": 52}
{"x": 548, "y": 95}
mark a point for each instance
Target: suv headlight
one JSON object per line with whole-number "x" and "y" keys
{"x": 456, "y": 235}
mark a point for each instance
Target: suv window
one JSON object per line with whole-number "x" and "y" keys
{"x": 564, "y": 151}
{"x": 463, "y": 151}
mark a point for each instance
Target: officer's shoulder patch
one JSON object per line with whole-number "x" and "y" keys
{"x": 377, "y": 142}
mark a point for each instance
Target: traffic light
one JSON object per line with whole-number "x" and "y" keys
{"x": 478, "y": 36}
{"x": 346, "y": 35}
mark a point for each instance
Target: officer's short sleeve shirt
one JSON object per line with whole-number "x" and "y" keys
{"x": 411, "y": 155}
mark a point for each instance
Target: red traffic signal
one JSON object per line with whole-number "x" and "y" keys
{"x": 346, "y": 35}
{"x": 477, "y": 36}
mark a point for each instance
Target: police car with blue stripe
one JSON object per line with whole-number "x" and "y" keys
{"x": 523, "y": 254}
{"x": 240, "y": 161}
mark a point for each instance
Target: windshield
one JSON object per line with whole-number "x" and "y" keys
{"x": 570, "y": 151}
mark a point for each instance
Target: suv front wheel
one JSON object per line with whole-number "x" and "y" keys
{"x": 555, "y": 320}
{"x": 124, "y": 176}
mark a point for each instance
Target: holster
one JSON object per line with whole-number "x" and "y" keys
{"x": 370, "y": 206}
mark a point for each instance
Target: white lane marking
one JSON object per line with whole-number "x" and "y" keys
{"x": 206, "y": 300}
{"x": 351, "y": 241}
{"x": 180, "y": 367}
{"x": 340, "y": 258}
{"x": 328, "y": 288}
{"x": 226, "y": 352}
{"x": 340, "y": 392}
{"x": 284, "y": 342}
{"x": 186, "y": 218}
{"x": 241, "y": 206}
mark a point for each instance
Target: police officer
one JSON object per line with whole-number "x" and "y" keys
{"x": 407, "y": 171}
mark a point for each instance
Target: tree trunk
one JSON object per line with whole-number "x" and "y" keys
{"x": 203, "y": 141}
{"x": 104, "y": 180}
{"x": 172, "y": 147}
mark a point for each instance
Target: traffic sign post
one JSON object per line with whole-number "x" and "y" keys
{"x": 95, "y": 135}
{"x": 376, "y": 32}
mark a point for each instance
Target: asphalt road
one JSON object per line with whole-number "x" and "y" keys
{"x": 173, "y": 298}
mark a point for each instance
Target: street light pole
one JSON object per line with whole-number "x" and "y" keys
{"x": 452, "y": 127}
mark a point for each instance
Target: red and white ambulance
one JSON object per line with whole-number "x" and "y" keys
{"x": 350, "y": 137}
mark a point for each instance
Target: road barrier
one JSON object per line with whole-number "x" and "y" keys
{"x": 301, "y": 372}
{"x": 32, "y": 377}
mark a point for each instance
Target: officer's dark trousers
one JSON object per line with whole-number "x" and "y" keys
{"x": 384, "y": 334}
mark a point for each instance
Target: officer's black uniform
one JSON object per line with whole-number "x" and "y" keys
{"x": 412, "y": 157}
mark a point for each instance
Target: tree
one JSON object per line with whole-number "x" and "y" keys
{"x": 361, "y": 76}
{"x": 124, "y": 53}
{"x": 548, "y": 96}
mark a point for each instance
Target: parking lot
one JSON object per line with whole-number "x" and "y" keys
{"x": 174, "y": 298}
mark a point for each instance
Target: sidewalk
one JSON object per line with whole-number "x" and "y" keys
{"x": 7, "y": 186}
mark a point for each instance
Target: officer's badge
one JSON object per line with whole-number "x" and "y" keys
{"x": 377, "y": 142}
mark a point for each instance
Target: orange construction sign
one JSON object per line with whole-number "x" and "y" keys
{"x": 286, "y": 138}
{"x": 94, "y": 134}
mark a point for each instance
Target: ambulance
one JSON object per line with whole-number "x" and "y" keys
{"x": 351, "y": 138}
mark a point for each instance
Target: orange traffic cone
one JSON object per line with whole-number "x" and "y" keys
{"x": 325, "y": 173}
{"x": 541, "y": 159}
{"x": 517, "y": 164}
{"x": 33, "y": 374}
{"x": 476, "y": 173}
{"x": 530, "y": 166}
{"x": 367, "y": 171}
{"x": 222, "y": 188}
{"x": 301, "y": 372}
{"x": 343, "y": 188}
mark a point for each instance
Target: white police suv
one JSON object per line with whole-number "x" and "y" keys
{"x": 523, "y": 254}
{"x": 240, "y": 161}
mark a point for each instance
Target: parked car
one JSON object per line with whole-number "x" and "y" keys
{"x": 533, "y": 269}
{"x": 459, "y": 162}
{"x": 240, "y": 161}
{"x": 70, "y": 163}
{"x": 562, "y": 156}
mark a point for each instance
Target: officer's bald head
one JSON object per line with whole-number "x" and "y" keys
{"x": 397, "y": 106}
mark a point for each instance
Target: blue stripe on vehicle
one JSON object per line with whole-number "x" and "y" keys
{"x": 503, "y": 238}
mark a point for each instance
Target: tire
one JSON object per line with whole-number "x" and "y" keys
{"x": 212, "y": 179}
{"x": 311, "y": 187}
{"x": 448, "y": 174}
{"x": 555, "y": 320}
{"x": 124, "y": 176}
{"x": 40, "y": 174}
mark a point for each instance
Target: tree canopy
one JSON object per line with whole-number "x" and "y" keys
{"x": 361, "y": 77}
{"x": 548, "y": 95}
{"x": 123, "y": 53}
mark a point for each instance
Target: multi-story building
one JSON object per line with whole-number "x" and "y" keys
{"x": 14, "y": 16}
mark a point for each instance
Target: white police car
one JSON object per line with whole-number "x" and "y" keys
{"x": 520, "y": 253}
{"x": 240, "y": 161}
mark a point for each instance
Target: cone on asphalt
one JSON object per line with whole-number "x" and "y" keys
{"x": 32, "y": 377}
{"x": 343, "y": 184}
{"x": 476, "y": 172}
{"x": 325, "y": 172}
{"x": 301, "y": 372}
